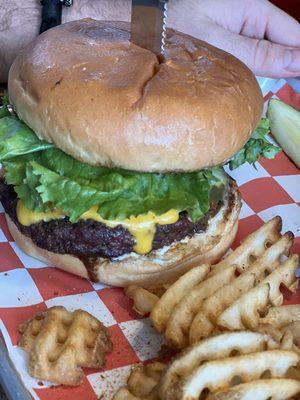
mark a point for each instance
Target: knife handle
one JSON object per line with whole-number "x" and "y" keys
{"x": 51, "y": 13}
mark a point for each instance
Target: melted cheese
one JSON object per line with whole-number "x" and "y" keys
{"x": 27, "y": 217}
{"x": 142, "y": 227}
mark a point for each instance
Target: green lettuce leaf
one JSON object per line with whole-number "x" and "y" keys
{"x": 16, "y": 139}
{"x": 44, "y": 178}
{"x": 257, "y": 145}
{"x": 119, "y": 194}
{"x": 27, "y": 191}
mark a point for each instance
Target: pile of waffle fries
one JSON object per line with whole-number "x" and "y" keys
{"x": 242, "y": 343}
{"x": 233, "y": 365}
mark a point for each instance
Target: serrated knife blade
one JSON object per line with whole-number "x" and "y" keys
{"x": 148, "y": 24}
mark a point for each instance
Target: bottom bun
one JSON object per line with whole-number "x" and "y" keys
{"x": 156, "y": 268}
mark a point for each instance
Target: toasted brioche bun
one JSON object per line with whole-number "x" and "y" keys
{"x": 105, "y": 101}
{"x": 159, "y": 266}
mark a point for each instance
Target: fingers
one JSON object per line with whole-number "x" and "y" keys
{"x": 280, "y": 28}
{"x": 264, "y": 58}
{"x": 261, "y": 19}
{"x": 252, "y": 18}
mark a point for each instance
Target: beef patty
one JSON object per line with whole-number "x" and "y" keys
{"x": 89, "y": 238}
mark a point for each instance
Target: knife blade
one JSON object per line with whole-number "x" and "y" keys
{"x": 148, "y": 24}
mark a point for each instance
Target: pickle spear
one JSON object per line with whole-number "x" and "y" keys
{"x": 285, "y": 126}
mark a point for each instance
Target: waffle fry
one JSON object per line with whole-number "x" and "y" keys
{"x": 294, "y": 329}
{"x": 284, "y": 339}
{"x": 60, "y": 342}
{"x": 263, "y": 389}
{"x": 124, "y": 394}
{"x": 217, "y": 375}
{"x": 231, "y": 366}
{"x": 169, "y": 300}
{"x": 285, "y": 320}
{"x": 210, "y": 312}
{"x": 282, "y": 316}
{"x": 245, "y": 312}
{"x": 180, "y": 320}
{"x": 149, "y": 375}
{"x": 142, "y": 383}
{"x": 253, "y": 246}
{"x": 143, "y": 300}
{"x": 203, "y": 305}
{"x": 211, "y": 349}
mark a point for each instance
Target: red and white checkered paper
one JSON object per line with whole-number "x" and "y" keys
{"x": 28, "y": 286}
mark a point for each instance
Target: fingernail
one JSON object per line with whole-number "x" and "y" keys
{"x": 291, "y": 61}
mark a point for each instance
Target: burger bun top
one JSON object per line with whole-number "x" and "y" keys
{"x": 85, "y": 87}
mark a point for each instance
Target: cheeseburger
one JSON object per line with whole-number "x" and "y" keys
{"x": 112, "y": 159}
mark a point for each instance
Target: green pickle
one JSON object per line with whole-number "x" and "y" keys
{"x": 285, "y": 126}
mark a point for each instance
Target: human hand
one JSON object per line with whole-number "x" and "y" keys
{"x": 255, "y": 31}
{"x": 19, "y": 24}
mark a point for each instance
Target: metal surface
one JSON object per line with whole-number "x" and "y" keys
{"x": 9, "y": 378}
{"x": 148, "y": 24}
